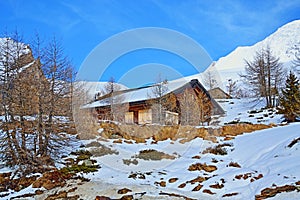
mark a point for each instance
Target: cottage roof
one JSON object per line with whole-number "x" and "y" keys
{"x": 137, "y": 94}
{"x": 147, "y": 93}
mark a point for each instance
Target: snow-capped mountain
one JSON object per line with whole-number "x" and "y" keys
{"x": 284, "y": 43}
{"x": 11, "y": 52}
{"x": 8, "y": 45}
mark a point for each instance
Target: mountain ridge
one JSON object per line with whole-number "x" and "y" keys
{"x": 284, "y": 43}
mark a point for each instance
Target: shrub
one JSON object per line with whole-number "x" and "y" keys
{"x": 217, "y": 150}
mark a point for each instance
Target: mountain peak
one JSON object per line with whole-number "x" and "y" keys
{"x": 284, "y": 43}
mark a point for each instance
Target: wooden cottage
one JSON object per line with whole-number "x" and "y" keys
{"x": 174, "y": 102}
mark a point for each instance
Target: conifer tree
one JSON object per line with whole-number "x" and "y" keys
{"x": 290, "y": 99}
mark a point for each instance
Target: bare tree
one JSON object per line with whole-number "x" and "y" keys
{"x": 264, "y": 75}
{"x": 158, "y": 102}
{"x": 58, "y": 72}
{"x": 205, "y": 107}
{"x": 18, "y": 88}
{"x": 85, "y": 119}
{"x": 232, "y": 87}
{"x": 195, "y": 108}
{"x": 117, "y": 106}
{"x": 189, "y": 110}
{"x": 9, "y": 143}
{"x": 210, "y": 80}
{"x": 33, "y": 92}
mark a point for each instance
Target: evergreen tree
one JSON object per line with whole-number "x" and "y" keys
{"x": 290, "y": 99}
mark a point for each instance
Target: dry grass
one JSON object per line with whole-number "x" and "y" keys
{"x": 207, "y": 191}
{"x": 151, "y": 154}
{"x": 237, "y": 129}
{"x": 271, "y": 192}
{"x": 102, "y": 151}
{"x": 230, "y": 194}
{"x": 197, "y": 188}
{"x": 199, "y": 179}
{"x": 217, "y": 186}
{"x": 140, "y": 134}
{"x": 204, "y": 167}
{"x": 217, "y": 150}
{"x": 234, "y": 164}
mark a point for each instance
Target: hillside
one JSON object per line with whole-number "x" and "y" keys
{"x": 283, "y": 43}
{"x": 212, "y": 167}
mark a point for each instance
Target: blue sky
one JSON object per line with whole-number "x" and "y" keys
{"x": 219, "y": 26}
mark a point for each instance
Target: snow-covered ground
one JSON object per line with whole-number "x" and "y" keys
{"x": 248, "y": 110}
{"x": 263, "y": 154}
{"x": 264, "y": 158}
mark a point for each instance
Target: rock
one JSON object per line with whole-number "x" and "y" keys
{"x": 182, "y": 185}
{"x": 88, "y": 163}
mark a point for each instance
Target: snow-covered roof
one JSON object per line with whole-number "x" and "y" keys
{"x": 139, "y": 94}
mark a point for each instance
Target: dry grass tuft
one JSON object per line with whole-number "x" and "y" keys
{"x": 234, "y": 164}
{"x": 205, "y": 167}
{"x": 151, "y": 154}
{"x": 197, "y": 188}
{"x": 217, "y": 186}
{"x": 207, "y": 191}
{"x": 199, "y": 179}
{"x": 217, "y": 150}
